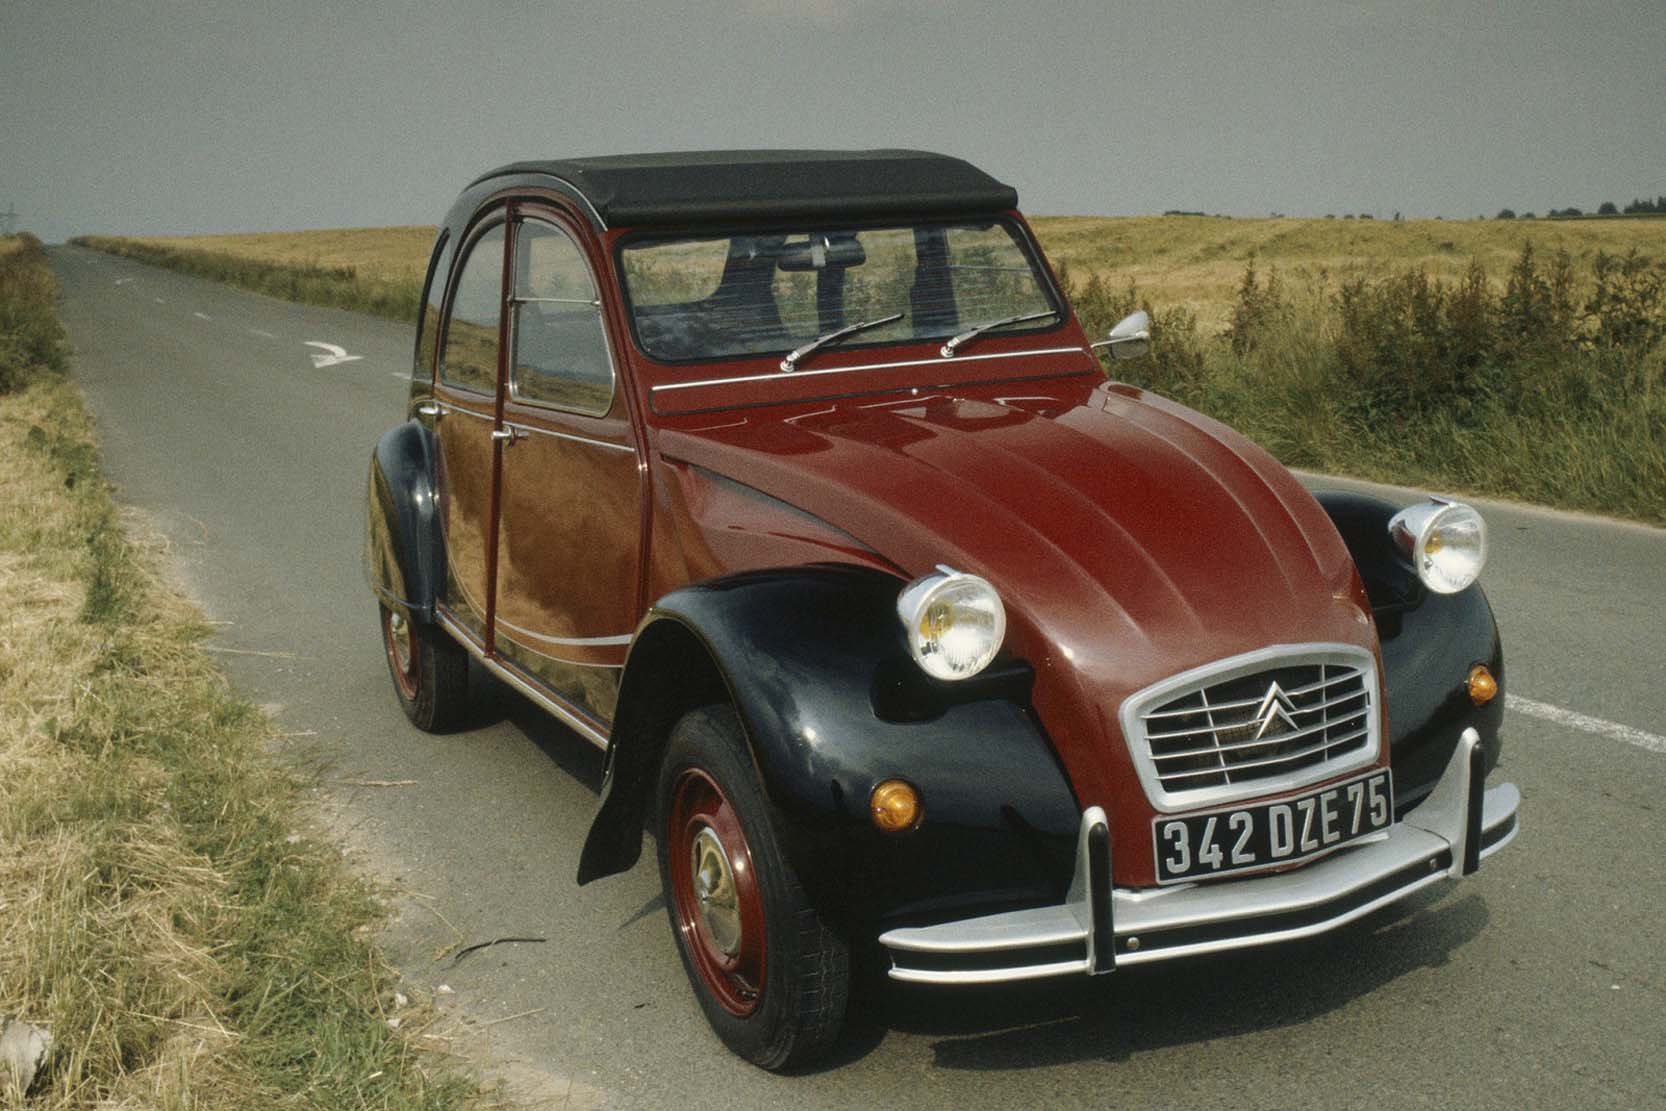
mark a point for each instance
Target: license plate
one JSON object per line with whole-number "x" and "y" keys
{"x": 1261, "y": 835}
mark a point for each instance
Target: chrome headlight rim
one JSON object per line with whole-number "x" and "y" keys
{"x": 915, "y": 601}
{"x": 1414, "y": 527}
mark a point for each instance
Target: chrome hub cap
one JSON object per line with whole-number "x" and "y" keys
{"x": 714, "y": 892}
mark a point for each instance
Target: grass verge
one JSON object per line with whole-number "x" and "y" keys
{"x": 291, "y": 273}
{"x": 159, "y": 911}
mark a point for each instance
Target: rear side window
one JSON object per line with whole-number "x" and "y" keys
{"x": 433, "y": 294}
{"x": 471, "y": 335}
{"x": 561, "y": 356}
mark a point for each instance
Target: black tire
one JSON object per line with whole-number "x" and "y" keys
{"x": 430, "y": 672}
{"x": 772, "y": 978}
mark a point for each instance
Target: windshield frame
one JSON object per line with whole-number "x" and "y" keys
{"x": 1015, "y": 226}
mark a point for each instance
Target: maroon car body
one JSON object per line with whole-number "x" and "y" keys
{"x": 698, "y": 569}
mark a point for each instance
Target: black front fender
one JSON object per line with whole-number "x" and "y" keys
{"x": 812, "y": 659}
{"x": 1429, "y": 644}
{"x": 404, "y": 550}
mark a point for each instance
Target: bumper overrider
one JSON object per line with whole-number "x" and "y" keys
{"x": 1100, "y": 927}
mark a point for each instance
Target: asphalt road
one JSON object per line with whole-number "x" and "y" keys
{"x": 1541, "y": 982}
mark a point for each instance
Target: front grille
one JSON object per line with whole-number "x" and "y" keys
{"x": 1255, "y": 724}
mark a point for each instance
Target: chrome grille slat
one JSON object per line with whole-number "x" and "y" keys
{"x": 1314, "y": 706}
{"x": 1263, "y": 742}
{"x": 1283, "y": 758}
{"x": 1353, "y": 696}
{"x": 1295, "y": 692}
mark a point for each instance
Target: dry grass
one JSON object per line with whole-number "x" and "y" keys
{"x": 157, "y": 914}
{"x": 1198, "y": 261}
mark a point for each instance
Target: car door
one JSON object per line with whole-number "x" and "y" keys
{"x": 570, "y": 502}
{"x": 465, "y": 393}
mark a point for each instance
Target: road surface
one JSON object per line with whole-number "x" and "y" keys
{"x": 1541, "y": 982}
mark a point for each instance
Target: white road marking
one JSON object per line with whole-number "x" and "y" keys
{"x": 330, "y": 355}
{"x": 159, "y": 300}
{"x": 261, "y": 334}
{"x": 400, "y": 374}
{"x": 202, "y": 316}
{"x": 1613, "y": 730}
{"x": 123, "y": 281}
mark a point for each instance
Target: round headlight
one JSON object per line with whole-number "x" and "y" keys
{"x": 955, "y": 623}
{"x": 1445, "y": 542}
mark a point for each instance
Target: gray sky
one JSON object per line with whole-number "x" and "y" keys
{"x": 172, "y": 117}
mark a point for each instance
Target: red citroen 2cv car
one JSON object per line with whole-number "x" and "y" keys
{"x": 790, "y": 479}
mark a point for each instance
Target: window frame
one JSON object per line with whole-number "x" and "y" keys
{"x": 512, "y": 302}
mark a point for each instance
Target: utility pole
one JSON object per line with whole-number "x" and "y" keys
{"x": 8, "y": 220}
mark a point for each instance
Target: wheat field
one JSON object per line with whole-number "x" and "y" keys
{"x": 1195, "y": 261}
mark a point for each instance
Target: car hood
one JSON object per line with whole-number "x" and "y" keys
{"x": 1129, "y": 537}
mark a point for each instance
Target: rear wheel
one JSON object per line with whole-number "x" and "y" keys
{"x": 770, "y": 975}
{"x": 430, "y": 672}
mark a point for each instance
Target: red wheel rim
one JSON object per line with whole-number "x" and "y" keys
{"x": 714, "y": 889}
{"x": 402, "y": 658}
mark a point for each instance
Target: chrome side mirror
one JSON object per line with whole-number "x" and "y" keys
{"x": 1131, "y": 337}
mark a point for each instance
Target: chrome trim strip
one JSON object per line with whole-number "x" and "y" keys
{"x": 519, "y": 427}
{"x": 802, "y": 374}
{"x": 535, "y": 430}
{"x": 1276, "y": 655}
{"x": 568, "y": 642}
{"x": 1229, "y": 914}
{"x": 543, "y": 701}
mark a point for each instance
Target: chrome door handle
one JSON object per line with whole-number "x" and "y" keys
{"x": 432, "y": 409}
{"x": 507, "y": 436}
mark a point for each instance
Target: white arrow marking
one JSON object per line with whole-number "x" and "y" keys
{"x": 202, "y": 316}
{"x": 261, "y": 334}
{"x": 330, "y": 355}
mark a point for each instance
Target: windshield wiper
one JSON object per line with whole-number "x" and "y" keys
{"x": 971, "y": 334}
{"x": 792, "y": 359}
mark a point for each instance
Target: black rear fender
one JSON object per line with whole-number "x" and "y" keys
{"x": 404, "y": 552}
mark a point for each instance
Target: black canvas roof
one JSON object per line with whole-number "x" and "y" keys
{"x": 723, "y": 185}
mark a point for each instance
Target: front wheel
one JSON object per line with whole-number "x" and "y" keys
{"x": 430, "y": 672}
{"x": 770, "y": 975}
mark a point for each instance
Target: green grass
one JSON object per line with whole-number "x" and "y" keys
{"x": 163, "y": 911}
{"x": 1551, "y": 390}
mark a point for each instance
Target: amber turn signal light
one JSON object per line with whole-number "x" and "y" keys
{"x": 1483, "y": 688}
{"x": 895, "y": 807}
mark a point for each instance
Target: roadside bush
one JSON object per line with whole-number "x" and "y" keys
{"x": 1553, "y": 389}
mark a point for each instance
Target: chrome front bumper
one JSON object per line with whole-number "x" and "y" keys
{"x": 1099, "y": 928}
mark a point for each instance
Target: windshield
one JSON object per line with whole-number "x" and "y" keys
{"x": 757, "y": 294}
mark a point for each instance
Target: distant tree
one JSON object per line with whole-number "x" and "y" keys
{"x": 1528, "y": 216}
{"x": 1506, "y": 214}
{"x": 1367, "y": 216}
{"x": 1607, "y": 209}
{"x": 1330, "y": 215}
{"x": 1397, "y": 217}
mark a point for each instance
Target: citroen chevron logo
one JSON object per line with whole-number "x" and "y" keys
{"x": 1275, "y": 707}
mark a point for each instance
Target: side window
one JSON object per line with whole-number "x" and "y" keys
{"x": 561, "y": 357}
{"x": 433, "y": 292}
{"x": 470, "y": 360}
